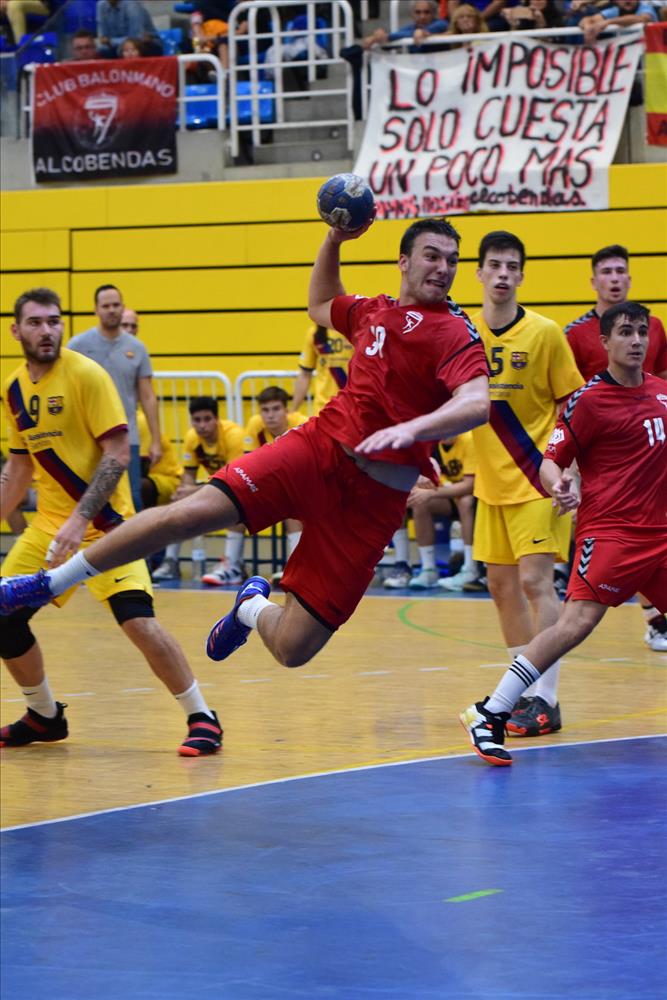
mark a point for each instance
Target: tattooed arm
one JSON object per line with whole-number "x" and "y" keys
{"x": 115, "y": 460}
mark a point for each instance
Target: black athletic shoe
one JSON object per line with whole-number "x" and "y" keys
{"x": 537, "y": 718}
{"x": 204, "y": 735}
{"x": 487, "y": 733}
{"x": 35, "y": 728}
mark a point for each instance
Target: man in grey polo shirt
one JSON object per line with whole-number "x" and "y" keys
{"x": 127, "y": 361}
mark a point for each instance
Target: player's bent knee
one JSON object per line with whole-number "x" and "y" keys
{"x": 16, "y": 636}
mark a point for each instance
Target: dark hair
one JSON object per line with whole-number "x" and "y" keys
{"x": 273, "y": 394}
{"x": 107, "y": 288}
{"x": 198, "y": 403}
{"x": 615, "y": 250}
{"x": 42, "y": 296}
{"x": 632, "y": 310}
{"x": 500, "y": 239}
{"x": 441, "y": 227}
{"x": 84, "y": 33}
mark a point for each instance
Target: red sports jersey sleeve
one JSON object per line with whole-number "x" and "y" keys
{"x": 583, "y": 336}
{"x": 408, "y": 361}
{"x": 617, "y": 435}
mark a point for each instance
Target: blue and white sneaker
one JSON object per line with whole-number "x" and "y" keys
{"x": 228, "y": 634}
{"x": 28, "y": 591}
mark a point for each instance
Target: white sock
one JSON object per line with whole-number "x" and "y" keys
{"x": 250, "y": 610}
{"x": 517, "y": 651}
{"x": 38, "y": 697}
{"x": 402, "y": 546}
{"x": 173, "y": 551}
{"x": 547, "y": 685}
{"x": 512, "y": 685}
{"x": 234, "y": 547}
{"x": 427, "y": 556}
{"x": 468, "y": 561}
{"x": 292, "y": 541}
{"x": 71, "y": 572}
{"x": 192, "y": 701}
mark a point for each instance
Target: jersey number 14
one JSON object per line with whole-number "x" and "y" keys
{"x": 655, "y": 430}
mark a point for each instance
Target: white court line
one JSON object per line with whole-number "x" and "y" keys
{"x": 431, "y": 670}
{"x": 317, "y": 774}
{"x": 257, "y": 680}
{"x": 311, "y": 677}
{"x": 373, "y": 673}
{"x": 494, "y": 666}
{"x": 136, "y": 690}
{"x": 78, "y": 694}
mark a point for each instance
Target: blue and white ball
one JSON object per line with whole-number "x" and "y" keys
{"x": 346, "y": 202}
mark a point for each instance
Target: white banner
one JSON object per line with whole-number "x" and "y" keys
{"x": 512, "y": 125}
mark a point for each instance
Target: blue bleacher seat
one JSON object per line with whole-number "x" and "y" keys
{"x": 37, "y": 49}
{"x": 185, "y": 8}
{"x": 299, "y": 26}
{"x": 79, "y": 14}
{"x": 267, "y": 105}
{"x": 200, "y": 114}
{"x": 172, "y": 39}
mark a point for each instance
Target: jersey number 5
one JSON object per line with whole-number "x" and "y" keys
{"x": 655, "y": 430}
{"x": 497, "y": 363}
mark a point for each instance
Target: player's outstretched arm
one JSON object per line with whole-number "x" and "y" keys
{"x": 561, "y": 485}
{"x": 325, "y": 281}
{"x": 468, "y": 408}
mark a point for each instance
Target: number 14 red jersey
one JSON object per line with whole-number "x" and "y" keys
{"x": 617, "y": 435}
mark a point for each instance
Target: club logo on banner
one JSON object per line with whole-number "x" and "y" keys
{"x": 104, "y": 119}
{"x": 508, "y": 125}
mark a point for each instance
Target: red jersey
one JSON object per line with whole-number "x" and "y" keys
{"x": 617, "y": 435}
{"x": 408, "y": 360}
{"x": 583, "y": 336}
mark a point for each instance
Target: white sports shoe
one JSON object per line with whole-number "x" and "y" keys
{"x": 223, "y": 575}
{"x": 167, "y": 570}
{"x": 457, "y": 582}
{"x": 425, "y": 579}
{"x": 398, "y": 578}
{"x": 655, "y": 639}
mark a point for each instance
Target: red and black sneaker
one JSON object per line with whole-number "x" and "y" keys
{"x": 35, "y": 728}
{"x": 204, "y": 735}
{"x": 536, "y": 718}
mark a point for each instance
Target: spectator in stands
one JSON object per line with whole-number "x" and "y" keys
{"x": 453, "y": 499}
{"x": 132, "y": 48}
{"x": 611, "y": 281}
{"x": 518, "y": 534}
{"x": 130, "y": 322}
{"x": 84, "y": 46}
{"x": 533, "y": 14}
{"x": 121, "y": 19}
{"x": 272, "y": 421}
{"x": 127, "y": 361}
{"x": 209, "y": 444}
{"x": 491, "y": 11}
{"x": 625, "y": 13}
{"x": 326, "y": 354}
{"x": 575, "y": 10}
{"x": 16, "y": 12}
{"x": 466, "y": 20}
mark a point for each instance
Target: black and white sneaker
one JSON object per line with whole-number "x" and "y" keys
{"x": 487, "y": 733}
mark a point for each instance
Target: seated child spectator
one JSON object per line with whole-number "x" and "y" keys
{"x": 132, "y": 48}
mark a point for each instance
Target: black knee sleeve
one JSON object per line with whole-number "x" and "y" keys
{"x": 131, "y": 604}
{"x": 16, "y": 636}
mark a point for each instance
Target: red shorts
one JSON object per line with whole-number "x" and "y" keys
{"x": 612, "y": 570}
{"x": 348, "y": 518}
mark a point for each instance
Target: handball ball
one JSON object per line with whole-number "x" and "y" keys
{"x": 346, "y": 202}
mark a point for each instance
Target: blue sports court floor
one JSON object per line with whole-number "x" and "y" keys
{"x": 441, "y": 879}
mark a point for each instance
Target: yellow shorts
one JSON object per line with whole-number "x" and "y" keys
{"x": 28, "y": 554}
{"x": 165, "y": 486}
{"x": 505, "y": 533}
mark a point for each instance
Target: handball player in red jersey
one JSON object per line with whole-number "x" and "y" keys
{"x": 614, "y": 427}
{"x": 418, "y": 374}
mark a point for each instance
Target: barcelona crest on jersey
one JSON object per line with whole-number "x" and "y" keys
{"x": 54, "y": 404}
{"x": 519, "y": 359}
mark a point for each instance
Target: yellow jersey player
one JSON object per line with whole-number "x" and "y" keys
{"x": 209, "y": 444}
{"x": 518, "y": 534}
{"x": 159, "y": 482}
{"x": 67, "y": 427}
{"x": 452, "y": 498}
{"x": 325, "y": 358}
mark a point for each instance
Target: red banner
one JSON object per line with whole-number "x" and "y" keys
{"x": 104, "y": 119}
{"x": 656, "y": 83}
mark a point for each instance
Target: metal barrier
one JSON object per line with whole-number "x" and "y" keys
{"x": 258, "y": 66}
{"x": 249, "y": 384}
{"x": 175, "y": 390}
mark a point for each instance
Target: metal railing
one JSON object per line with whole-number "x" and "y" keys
{"x": 174, "y": 391}
{"x": 249, "y": 384}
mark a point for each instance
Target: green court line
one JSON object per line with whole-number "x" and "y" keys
{"x": 473, "y": 895}
{"x": 403, "y": 617}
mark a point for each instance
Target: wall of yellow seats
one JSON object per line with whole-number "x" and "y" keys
{"x": 219, "y": 271}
